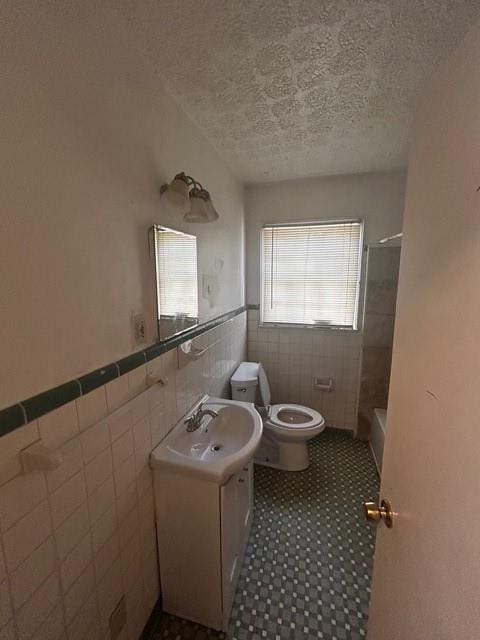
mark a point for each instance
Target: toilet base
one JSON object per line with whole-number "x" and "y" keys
{"x": 286, "y": 456}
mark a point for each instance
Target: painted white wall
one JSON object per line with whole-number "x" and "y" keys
{"x": 88, "y": 136}
{"x": 377, "y": 198}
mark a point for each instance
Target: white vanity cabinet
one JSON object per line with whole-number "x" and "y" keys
{"x": 202, "y": 529}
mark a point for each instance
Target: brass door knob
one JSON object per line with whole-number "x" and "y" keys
{"x": 375, "y": 514}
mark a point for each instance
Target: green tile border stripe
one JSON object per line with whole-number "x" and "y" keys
{"x": 19, "y": 414}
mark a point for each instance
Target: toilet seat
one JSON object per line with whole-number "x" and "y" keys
{"x": 294, "y": 417}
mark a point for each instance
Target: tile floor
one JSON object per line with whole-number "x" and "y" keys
{"x": 307, "y": 567}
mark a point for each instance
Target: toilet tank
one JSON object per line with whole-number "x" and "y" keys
{"x": 244, "y": 382}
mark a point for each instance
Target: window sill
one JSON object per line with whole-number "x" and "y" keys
{"x": 310, "y": 327}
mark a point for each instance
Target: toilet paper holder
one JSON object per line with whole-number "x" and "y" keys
{"x": 323, "y": 384}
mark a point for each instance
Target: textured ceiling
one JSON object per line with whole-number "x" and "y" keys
{"x": 291, "y": 88}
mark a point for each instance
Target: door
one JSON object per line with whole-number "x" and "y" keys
{"x": 426, "y": 582}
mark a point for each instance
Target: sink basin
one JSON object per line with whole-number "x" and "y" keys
{"x": 220, "y": 447}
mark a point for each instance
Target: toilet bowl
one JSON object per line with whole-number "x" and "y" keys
{"x": 287, "y": 427}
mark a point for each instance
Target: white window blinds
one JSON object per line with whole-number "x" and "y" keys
{"x": 176, "y": 264}
{"x": 311, "y": 273}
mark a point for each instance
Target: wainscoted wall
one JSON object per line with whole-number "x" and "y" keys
{"x": 294, "y": 357}
{"x": 380, "y": 302}
{"x": 78, "y": 538}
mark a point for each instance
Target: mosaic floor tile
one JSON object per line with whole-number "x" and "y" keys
{"x": 307, "y": 567}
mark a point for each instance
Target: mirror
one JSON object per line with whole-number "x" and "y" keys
{"x": 176, "y": 281}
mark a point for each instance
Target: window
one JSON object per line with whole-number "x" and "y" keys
{"x": 311, "y": 273}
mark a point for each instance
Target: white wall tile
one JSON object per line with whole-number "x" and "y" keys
{"x": 79, "y": 593}
{"x": 91, "y": 408}
{"x": 72, "y": 464}
{"x": 12, "y": 444}
{"x": 144, "y": 479}
{"x": 32, "y": 615}
{"x": 158, "y": 428}
{"x": 110, "y": 590}
{"x": 148, "y": 537}
{"x": 122, "y": 449}
{"x": 6, "y": 611}
{"x": 104, "y": 528}
{"x": 8, "y": 632}
{"x": 95, "y": 440}
{"x": 19, "y": 496}
{"x": 27, "y": 534}
{"x": 137, "y": 380}
{"x": 85, "y": 621}
{"x": 76, "y": 562}
{"x": 53, "y": 628}
{"x": 106, "y": 556}
{"x": 65, "y": 500}
{"x": 126, "y": 502}
{"x": 28, "y": 576}
{"x": 71, "y": 531}
{"x": 141, "y": 431}
{"x": 117, "y": 392}
{"x": 123, "y": 419}
{"x": 128, "y": 527}
{"x": 135, "y": 601}
{"x": 98, "y": 470}
{"x": 292, "y": 357}
{"x": 59, "y": 426}
{"x": 3, "y": 569}
{"x": 124, "y": 475}
{"x": 138, "y": 408}
{"x": 101, "y": 499}
{"x": 150, "y": 577}
{"x": 156, "y": 395}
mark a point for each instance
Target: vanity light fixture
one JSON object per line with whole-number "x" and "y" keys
{"x": 189, "y": 198}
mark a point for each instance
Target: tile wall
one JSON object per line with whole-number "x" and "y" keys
{"x": 76, "y": 539}
{"x": 380, "y": 301}
{"x": 294, "y": 357}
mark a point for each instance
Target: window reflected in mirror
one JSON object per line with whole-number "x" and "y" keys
{"x": 176, "y": 281}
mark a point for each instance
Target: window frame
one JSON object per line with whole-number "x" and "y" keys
{"x": 317, "y": 327}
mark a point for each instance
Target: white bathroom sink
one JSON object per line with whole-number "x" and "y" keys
{"x": 220, "y": 447}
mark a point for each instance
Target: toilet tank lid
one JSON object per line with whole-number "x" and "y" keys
{"x": 245, "y": 375}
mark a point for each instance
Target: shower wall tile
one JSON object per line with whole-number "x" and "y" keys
{"x": 79, "y": 538}
{"x": 381, "y": 297}
{"x": 383, "y": 263}
{"x": 378, "y": 330}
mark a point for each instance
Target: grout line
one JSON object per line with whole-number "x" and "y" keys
{"x": 24, "y": 412}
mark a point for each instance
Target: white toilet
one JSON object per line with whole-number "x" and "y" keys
{"x": 287, "y": 427}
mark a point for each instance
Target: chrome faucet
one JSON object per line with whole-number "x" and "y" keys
{"x": 195, "y": 420}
